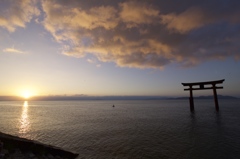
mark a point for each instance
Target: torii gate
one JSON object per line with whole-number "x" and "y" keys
{"x": 201, "y": 86}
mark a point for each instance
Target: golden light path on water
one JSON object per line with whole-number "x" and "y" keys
{"x": 24, "y": 120}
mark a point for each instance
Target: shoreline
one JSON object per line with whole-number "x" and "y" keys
{"x": 13, "y": 144}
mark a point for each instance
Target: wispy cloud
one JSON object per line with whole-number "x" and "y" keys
{"x": 90, "y": 60}
{"x": 140, "y": 34}
{"x": 13, "y": 50}
{"x": 94, "y": 61}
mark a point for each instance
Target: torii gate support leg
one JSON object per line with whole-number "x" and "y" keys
{"x": 215, "y": 98}
{"x": 191, "y": 102}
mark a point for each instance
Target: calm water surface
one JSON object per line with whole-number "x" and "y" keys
{"x": 163, "y": 129}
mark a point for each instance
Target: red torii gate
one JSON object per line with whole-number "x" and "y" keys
{"x": 201, "y": 86}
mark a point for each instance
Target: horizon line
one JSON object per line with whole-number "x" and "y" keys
{"x": 106, "y": 97}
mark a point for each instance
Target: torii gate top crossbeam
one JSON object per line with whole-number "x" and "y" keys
{"x": 202, "y": 85}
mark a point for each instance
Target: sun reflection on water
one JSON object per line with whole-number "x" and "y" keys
{"x": 24, "y": 120}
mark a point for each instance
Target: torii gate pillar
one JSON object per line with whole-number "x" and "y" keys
{"x": 201, "y": 86}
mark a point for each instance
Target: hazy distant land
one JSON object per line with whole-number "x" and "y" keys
{"x": 83, "y": 97}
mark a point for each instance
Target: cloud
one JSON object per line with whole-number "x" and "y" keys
{"x": 60, "y": 17}
{"x": 134, "y": 13}
{"x": 197, "y": 17}
{"x": 108, "y": 33}
{"x": 146, "y": 34}
{"x": 136, "y": 33}
{"x": 190, "y": 19}
{"x": 13, "y": 50}
{"x": 16, "y": 13}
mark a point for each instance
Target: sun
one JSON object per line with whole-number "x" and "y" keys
{"x": 26, "y": 94}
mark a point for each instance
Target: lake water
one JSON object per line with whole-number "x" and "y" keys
{"x": 162, "y": 129}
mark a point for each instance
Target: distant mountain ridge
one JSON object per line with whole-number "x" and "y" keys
{"x": 210, "y": 97}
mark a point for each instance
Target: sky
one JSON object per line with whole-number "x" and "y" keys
{"x": 118, "y": 48}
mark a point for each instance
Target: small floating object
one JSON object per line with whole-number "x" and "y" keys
{"x": 113, "y": 105}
